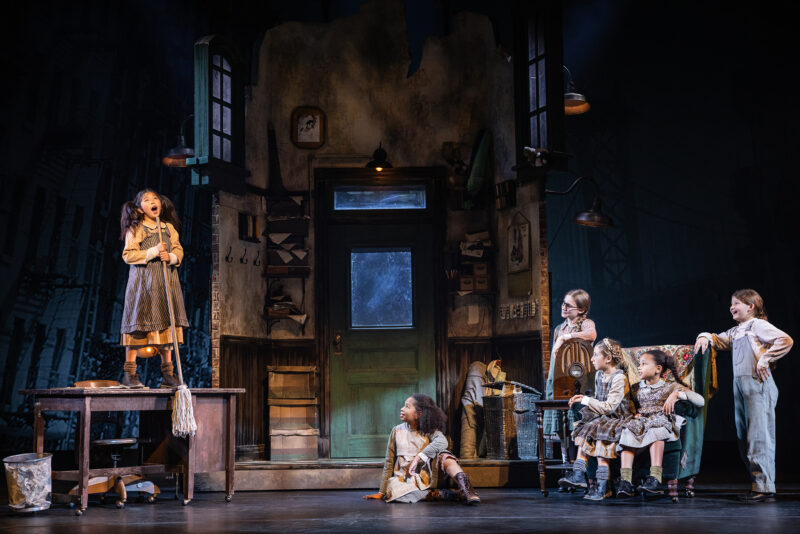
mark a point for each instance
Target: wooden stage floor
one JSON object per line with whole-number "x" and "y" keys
{"x": 502, "y": 510}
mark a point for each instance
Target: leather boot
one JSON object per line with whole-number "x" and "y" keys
{"x": 599, "y": 491}
{"x": 470, "y": 497}
{"x": 130, "y": 378}
{"x": 576, "y": 479}
{"x": 168, "y": 378}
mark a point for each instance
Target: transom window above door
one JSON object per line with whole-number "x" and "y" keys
{"x": 381, "y": 288}
{"x": 379, "y": 197}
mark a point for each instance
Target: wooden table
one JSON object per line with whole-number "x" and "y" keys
{"x": 541, "y": 406}
{"x": 210, "y": 449}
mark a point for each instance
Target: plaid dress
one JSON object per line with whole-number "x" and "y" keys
{"x": 597, "y": 434}
{"x": 145, "y": 317}
{"x": 653, "y": 425}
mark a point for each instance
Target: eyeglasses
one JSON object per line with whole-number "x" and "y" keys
{"x": 566, "y": 306}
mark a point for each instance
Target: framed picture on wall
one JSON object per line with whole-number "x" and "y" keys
{"x": 519, "y": 244}
{"x": 308, "y": 127}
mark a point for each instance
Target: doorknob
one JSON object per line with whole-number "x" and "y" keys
{"x": 337, "y": 342}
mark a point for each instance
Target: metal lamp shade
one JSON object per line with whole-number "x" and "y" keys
{"x": 575, "y": 104}
{"x": 594, "y": 217}
{"x": 176, "y": 157}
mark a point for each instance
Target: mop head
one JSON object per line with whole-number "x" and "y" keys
{"x": 183, "y": 423}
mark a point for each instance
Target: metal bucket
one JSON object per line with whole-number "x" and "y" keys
{"x": 29, "y": 481}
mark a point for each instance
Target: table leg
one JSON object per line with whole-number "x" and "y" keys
{"x": 188, "y": 471}
{"x": 38, "y": 429}
{"x": 230, "y": 446}
{"x": 84, "y": 431}
{"x": 540, "y": 427}
{"x": 564, "y": 437}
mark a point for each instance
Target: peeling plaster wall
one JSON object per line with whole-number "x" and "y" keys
{"x": 528, "y": 207}
{"x": 242, "y": 285}
{"x": 355, "y": 69}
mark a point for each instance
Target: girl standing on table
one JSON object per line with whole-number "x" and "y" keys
{"x": 603, "y": 418}
{"x": 145, "y": 317}
{"x": 576, "y": 325}
{"x": 655, "y": 422}
{"x": 756, "y": 345}
{"x": 417, "y": 458}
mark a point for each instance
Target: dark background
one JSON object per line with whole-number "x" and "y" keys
{"x": 691, "y": 137}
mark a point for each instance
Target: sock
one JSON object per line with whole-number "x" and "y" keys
{"x": 602, "y": 472}
{"x": 579, "y": 465}
{"x": 130, "y": 368}
{"x": 655, "y": 471}
{"x": 626, "y": 473}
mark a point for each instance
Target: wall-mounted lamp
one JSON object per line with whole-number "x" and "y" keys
{"x": 176, "y": 157}
{"x": 593, "y": 217}
{"x": 379, "y": 159}
{"x": 574, "y": 102}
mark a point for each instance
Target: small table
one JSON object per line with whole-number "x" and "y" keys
{"x": 210, "y": 449}
{"x": 551, "y": 404}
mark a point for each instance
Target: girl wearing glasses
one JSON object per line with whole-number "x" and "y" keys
{"x": 576, "y": 325}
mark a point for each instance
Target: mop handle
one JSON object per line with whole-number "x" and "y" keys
{"x": 169, "y": 305}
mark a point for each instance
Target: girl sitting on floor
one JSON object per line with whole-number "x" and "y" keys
{"x": 603, "y": 418}
{"x": 655, "y": 422}
{"x": 417, "y": 457}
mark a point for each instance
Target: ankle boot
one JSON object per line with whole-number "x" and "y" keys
{"x": 576, "y": 479}
{"x": 599, "y": 491}
{"x": 168, "y": 378}
{"x": 130, "y": 378}
{"x": 470, "y": 497}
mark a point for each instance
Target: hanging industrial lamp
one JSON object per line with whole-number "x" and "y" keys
{"x": 575, "y": 103}
{"x": 177, "y": 156}
{"x": 594, "y": 216}
{"x": 379, "y": 159}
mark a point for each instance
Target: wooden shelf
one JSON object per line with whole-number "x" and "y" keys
{"x": 287, "y": 271}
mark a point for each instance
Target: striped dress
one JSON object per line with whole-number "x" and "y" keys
{"x": 145, "y": 318}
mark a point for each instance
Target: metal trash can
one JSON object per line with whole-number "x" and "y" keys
{"x": 29, "y": 478}
{"x": 525, "y": 415}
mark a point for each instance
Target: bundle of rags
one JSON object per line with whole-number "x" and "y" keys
{"x": 183, "y": 423}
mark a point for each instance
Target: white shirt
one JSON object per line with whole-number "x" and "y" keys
{"x": 769, "y": 343}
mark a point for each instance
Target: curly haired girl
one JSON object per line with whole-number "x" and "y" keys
{"x": 419, "y": 442}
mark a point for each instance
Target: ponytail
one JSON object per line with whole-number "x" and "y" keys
{"x": 667, "y": 363}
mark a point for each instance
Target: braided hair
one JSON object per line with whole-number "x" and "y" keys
{"x": 431, "y": 417}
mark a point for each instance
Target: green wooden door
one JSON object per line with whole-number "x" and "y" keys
{"x": 380, "y": 284}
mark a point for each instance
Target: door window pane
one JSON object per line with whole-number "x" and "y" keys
{"x": 379, "y": 197}
{"x": 381, "y": 288}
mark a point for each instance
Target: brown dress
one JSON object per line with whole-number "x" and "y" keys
{"x": 145, "y": 317}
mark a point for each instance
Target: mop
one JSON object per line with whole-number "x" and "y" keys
{"x": 183, "y": 423}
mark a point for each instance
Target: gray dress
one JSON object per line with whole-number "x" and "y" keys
{"x": 146, "y": 307}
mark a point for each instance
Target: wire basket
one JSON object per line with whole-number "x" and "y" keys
{"x": 511, "y": 430}
{"x": 501, "y": 431}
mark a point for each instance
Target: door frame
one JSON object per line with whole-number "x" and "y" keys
{"x": 434, "y": 214}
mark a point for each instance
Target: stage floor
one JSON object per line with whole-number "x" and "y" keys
{"x": 502, "y": 510}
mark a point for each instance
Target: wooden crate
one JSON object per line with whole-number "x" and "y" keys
{"x": 289, "y": 445}
{"x": 293, "y": 414}
{"x": 292, "y": 382}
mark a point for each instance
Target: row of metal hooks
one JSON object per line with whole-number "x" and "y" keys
{"x": 243, "y": 259}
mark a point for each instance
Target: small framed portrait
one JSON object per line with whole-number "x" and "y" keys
{"x": 519, "y": 244}
{"x": 308, "y": 127}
